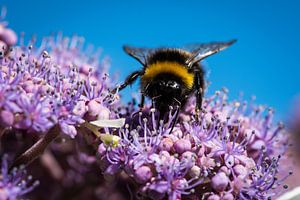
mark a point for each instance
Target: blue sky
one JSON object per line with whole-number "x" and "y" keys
{"x": 264, "y": 62}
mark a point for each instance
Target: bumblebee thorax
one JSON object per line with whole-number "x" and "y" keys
{"x": 171, "y": 68}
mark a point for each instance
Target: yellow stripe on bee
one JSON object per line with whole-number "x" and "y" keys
{"x": 167, "y": 67}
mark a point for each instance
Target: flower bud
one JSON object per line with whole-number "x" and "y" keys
{"x": 143, "y": 174}
{"x": 182, "y": 145}
{"x": 6, "y": 118}
{"x": 225, "y": 170}
{"x": 104, "y": 113}
{"x": 177, "y": 132}
{"x": 8, "y": 36}
{"x": 213, "y": 197}
{"x": 220, "y": 181}
{"x": 258, "y": 145}
{"x": 68, "y": 129}
{"x": 240, "y": 170}
{"x": 195, "y": 171}
{"x": 101, "y": 149}
{"x": 166, "y": 144}
{"x": 189, "y": 157}
{"x": 228, "y": 196}
{"x": 94, "y": 108}
{"x": 79, "y": 108}
{"x": 229, "y": 160}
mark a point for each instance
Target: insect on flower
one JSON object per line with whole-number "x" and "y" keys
{"x": 171, "y": 75}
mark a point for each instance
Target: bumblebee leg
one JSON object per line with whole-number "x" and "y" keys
{"x": 153, "y": 100}
{"x": 176, "y": 114}
{"x": 129, "y": 80}
{"x": 141, "y": 105}
{"x": 199, "y": 85}
{"x": 178, "y": 102}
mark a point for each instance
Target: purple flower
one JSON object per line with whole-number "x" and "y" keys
{"x": 214, "y": 158}
{"x": 233, "y": 151}
{"x": 264, "y": 179}
{"x": 15, "y": 184}
{"x": 35, "y": 115}
{"x": 41, "y": 89}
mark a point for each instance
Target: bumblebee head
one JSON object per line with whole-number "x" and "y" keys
{"x": 165, "y": 85}
{"x": 168, "y": 86}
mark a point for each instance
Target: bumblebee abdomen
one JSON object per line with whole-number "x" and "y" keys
{"x": 172, "y": 68}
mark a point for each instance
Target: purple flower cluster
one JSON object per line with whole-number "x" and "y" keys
{"x": 55, "y": 84}
{"x": 15, "y": 184}
{"x": 233, "y": 152}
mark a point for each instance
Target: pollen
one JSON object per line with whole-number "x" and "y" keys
{"x": 173, "y": 68}
{"x": 110, "y": 140}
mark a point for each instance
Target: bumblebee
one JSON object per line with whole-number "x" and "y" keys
{"x": 169, "y": 76}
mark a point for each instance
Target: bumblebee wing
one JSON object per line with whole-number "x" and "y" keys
{"x": 140, "y": 54}
{"x": 201, "y": 51}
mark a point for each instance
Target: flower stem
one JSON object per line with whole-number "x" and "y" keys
{"x": 37, "y": 149}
